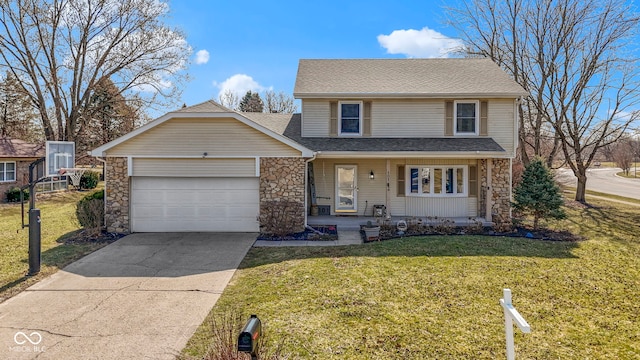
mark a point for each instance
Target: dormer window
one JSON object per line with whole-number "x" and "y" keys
{"x": 350, "y": 118}
{"x": 466, "y": 117}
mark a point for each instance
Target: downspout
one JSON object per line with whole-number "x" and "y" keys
{"x": 104, "y": 176}
{"x": 306, "y": 188}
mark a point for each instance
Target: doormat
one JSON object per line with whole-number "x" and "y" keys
{"x": 319, "y": 233}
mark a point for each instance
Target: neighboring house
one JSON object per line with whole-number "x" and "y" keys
{"x": 423, "y": 137}
{"x": 15, "y": 157}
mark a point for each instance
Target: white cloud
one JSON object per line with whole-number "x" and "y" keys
{"x": 239, "y": 84}
{"x": 202, "y": 57}
{"x": 424, "y": 43}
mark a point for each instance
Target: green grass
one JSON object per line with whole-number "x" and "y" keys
{"x": 608, "y": 196}
{"x": 57, "y": 212}
{"x": 437, "y": 297}
{"x": 632, "y": 174}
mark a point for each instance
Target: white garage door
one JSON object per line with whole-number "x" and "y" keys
{"x": 194, "y": 204}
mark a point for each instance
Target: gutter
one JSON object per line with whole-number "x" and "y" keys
{"x": 104, "y": 176}
{"x": 306, "y": 181}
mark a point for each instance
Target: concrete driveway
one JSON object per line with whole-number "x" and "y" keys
{"x": 141, "y": 297}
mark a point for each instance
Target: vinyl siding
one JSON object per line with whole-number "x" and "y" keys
{"x": 412, "y": 118}
{"x": 315, "y": 118}
{"x": 194, "y": 137}
{"x": 194, "y": 167}
{"x": 373, "y": 192}
{"x": 407, "y": 118}
{"x": 501, "y": 123}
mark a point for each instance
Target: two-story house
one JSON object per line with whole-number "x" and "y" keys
{"x": 423, "y": 137}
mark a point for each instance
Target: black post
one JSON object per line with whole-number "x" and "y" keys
{"x": 34, "y": 219}
{"x": 34, "y": 242}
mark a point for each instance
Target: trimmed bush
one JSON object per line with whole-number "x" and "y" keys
{"x": 13, "y": 194}
{"x": 90, "y": 211}
{"x": 89, "y": 180}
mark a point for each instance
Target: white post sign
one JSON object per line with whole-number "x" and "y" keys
{"x": 511, "y": 315}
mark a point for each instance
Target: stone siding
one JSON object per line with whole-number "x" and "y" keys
{"x": 283, "y": 179}
{"x": 500, "y": 190}
{"x": 117, "y": 196}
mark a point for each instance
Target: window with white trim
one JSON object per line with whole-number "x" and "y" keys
{"x": 7, "y": 171}
{"x": 350, "y": 118}
{"x": 466, "y": 117}
{"x": 437, "y": 180}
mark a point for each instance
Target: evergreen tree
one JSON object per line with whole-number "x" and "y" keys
{"x": 538, "y": 194}
{"x": 251, "y": 102}
{"x": 109, "y": 115}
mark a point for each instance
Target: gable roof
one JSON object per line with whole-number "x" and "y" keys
{"x": 207, "y": 109}
{"x": 14, "y": 148}
{"x": 441, "y": 78}
{"x": 289, "y": 125}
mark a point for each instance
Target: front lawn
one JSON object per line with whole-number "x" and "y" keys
{"x": 58, "y": 221}
{"x": 437, "y": 297}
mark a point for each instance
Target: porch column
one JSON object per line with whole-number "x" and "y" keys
{"x": 387, "y": 199}
{"x": 489, "y": 192}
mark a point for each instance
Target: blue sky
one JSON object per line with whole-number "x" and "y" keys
{"x": 257, "y": 44}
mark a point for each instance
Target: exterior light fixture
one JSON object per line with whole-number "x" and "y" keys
{"x": 371, "y": 175}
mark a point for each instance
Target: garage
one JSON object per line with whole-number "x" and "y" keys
{"x": 190, "y": 204}
{"x": 202, "y": 168}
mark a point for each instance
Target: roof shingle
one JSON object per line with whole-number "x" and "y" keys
{"x": 289, "y": 125}
{"x": 403, "y": 78}
{"x": 14, "y": 148}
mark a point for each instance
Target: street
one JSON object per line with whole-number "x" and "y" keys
{"x": 603, "y": 180}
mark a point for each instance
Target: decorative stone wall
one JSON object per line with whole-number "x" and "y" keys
{"x": 283, "y": 179}
{"x": 117, "y": 196}
{"x": 500, "y": 190}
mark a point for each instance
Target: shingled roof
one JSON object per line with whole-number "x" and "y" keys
{"x": 208, "y": 106}
{"x": 14, "y": 148}
{"x": 419, "y": 78}
{"x": 289, "y": 125}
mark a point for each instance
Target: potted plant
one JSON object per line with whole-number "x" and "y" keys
{"x": 371, "y": 231}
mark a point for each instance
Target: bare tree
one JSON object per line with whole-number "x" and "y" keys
{"x": 230, "y": 99}
{"x": 17, "y": 117}
{"x": 623, "y": 154}
{"x": 570, "y": 56}
{"x": 61, "y": 49}
{"x": 279, "y": 103}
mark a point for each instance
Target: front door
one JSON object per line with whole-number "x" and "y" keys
{"x": 346, "y": 188}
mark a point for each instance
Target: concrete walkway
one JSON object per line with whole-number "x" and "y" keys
{"x": 141, "y": 297}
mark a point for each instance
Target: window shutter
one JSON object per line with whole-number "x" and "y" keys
{"x": 400, "y": 184}
{"x": 484, "y": 127}
{"x": 448, "y": 118}
{"x": 333, "y": 118}
{"x": 366, "y": 119}
{"x": 473, "y": 181}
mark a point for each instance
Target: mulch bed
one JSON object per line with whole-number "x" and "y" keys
{"x": 321, "y": 233}
{"x": 84, "y": 236}
{"x": 389, "y": 232}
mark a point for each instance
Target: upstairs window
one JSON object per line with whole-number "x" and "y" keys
{"x": 350, "y": 118}
{"x": 7, "y": 171}
{"x": 466, "y": 117}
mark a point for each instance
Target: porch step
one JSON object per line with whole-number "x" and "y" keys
{"x": 349, "y": 237}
